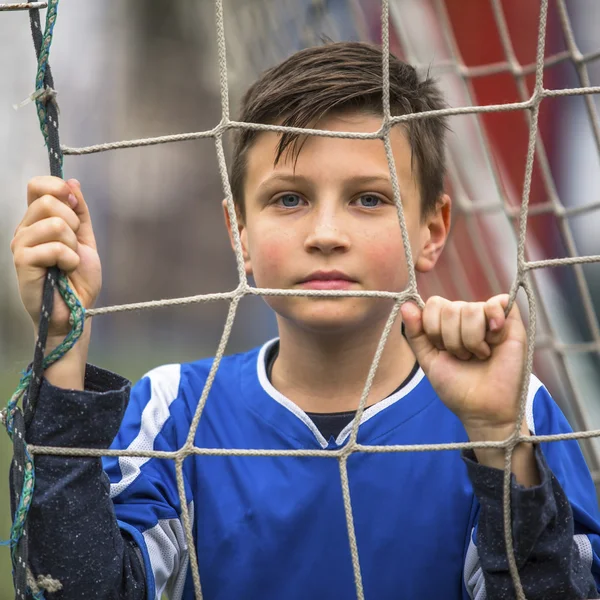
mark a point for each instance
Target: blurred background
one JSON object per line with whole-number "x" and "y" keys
{"x": 145, "y": 68}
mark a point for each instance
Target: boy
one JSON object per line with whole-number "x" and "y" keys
{"x": 314, "y": 213}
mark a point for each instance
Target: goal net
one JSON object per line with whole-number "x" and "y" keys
{"x": 514, "y": 73}
{"x": 484, "y": 53}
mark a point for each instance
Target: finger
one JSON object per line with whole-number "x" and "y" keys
{"x": 86, "y": 232}
{"x": 494, "y": 311}
{"x": 45, "y": 256}
{"x": 451, "y": 330}
{"x": 514, "y": 327}
{"x": 50, "y": 206}
{"x": 47, "y": 186}
{"x": 473, "y": 325}
{"x": 514, "y": 313}
{"x": 52, "y": 229}
{"x": 420, "y": 343}
{"x": 432, "y": 320}
{"x": 495, "y": 316}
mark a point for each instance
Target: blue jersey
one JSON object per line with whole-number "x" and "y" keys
{"x": 274, "y": 528}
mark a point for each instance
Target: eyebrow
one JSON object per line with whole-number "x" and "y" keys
{"x": 289, "y": 178}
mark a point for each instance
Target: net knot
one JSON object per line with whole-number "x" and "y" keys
{"x": 411, "y": 295}
{"x": 44, "y": 95}
{"x": 38, "y": 584}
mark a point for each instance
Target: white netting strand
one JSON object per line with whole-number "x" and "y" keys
{"x": 23, "y": 6}
{"x": 530, "y": 104}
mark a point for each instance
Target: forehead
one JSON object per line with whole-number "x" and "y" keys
{"x": 326, "y": 159}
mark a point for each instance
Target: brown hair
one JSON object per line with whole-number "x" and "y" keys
{"x": 337, "y": 77}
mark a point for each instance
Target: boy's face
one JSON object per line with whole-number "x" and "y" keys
{"x": 331, "y": 223}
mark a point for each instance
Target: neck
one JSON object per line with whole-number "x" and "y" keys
{"x": 327, "y": 373}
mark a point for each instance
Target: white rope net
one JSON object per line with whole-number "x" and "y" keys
{"x": 525, "y": 270}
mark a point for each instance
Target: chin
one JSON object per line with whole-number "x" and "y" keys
{"x": 334, "y": 315}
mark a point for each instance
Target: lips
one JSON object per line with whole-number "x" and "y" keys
{"x": 327, "y": 280}
{"x": 327, "y": 276}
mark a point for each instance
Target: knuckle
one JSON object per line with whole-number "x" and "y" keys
{"x": 435, "y": 302}
{"x": 46, "y": 184}
{"x": 499, "y": 298}
{"x": 18, "y": 258}
{"x": 54, "y": 249}
{"x": 473, "y": 309}
{"x": 57, "y": 226}
{"x": 59, "y": 187}
{"x": 14, "y": 242}
{"x": 46, "y": 204}
{"x": 494, "y": 303}
{"x": 450, "y": 309}
{"x": 433, "y": 308}
{"x": 430, "y": 320}
{"x": 34, "y": 183}
{"x": 470, "y": 308}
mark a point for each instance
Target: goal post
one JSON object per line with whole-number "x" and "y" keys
{"x": 484, "y": 53}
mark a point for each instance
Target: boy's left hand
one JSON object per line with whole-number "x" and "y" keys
{"x": 474, "y": 358}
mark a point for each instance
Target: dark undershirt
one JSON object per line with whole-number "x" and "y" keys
{"x": 329, "y": 424}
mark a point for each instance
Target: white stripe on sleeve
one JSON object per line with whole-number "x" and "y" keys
{"x": 168, "y": 552}
{"x": 164, "y": 385}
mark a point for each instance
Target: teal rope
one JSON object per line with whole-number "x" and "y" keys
{"x": 67, "y": 294}
{"x": 78, "y": 316}
{"x": 51, "y": 14}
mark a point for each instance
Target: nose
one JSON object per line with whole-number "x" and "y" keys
{"x": 327, "y": 232}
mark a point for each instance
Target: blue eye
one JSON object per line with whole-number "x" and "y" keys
{"x": 289, "y": 200}
{"x": 369, "y": 201}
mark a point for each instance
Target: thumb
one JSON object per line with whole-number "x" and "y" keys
{"x": 420, "y": 343}
{"x": 85, "y": 233}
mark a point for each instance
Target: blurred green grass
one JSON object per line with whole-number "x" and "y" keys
{"x": 8, "y": 382}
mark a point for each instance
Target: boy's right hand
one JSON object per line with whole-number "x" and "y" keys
{"x": 56, "y": 231}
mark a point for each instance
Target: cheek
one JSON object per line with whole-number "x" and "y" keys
{"x": 385, "y": 259}
{"x": 271, "y": 252}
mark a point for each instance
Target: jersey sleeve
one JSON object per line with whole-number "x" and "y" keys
{"x": 568, "y": 465}
{"x": 556, "y": 525}
{"x": 144, "y": 490}
{"x": 72, "y": 532}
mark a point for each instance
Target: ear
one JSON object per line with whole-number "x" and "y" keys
{"x": 434, "y": 233}
{"x": 241, "y": 227}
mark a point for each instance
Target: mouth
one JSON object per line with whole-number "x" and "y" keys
{"x": 327, "y": 280}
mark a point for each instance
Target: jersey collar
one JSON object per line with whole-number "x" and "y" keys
{"x": 376, "y": 419}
